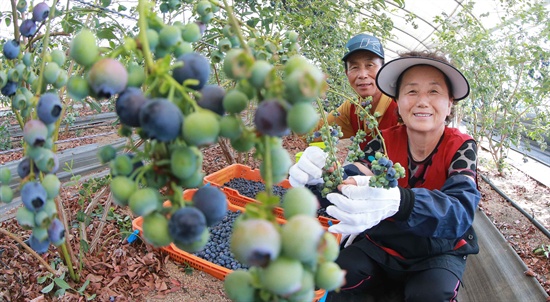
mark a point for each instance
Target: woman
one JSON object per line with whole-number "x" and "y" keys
{"x": 416, "y": 236}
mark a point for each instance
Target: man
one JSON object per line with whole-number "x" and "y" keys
{"x": 364, "y": 57}
{"x": 362, "y": 61}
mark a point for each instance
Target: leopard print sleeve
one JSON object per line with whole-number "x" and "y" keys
{"x": 465, "y": 160}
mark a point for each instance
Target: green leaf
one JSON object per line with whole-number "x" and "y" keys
{"x": 47, "y": 289}
{"x": 94, "y": 105}
{"x": 105, "y": 3}
{"x": 106, "y": 33}
{"x": 42, "y": 279}
{"x": 60, "y": 292}
{"x": 61, "y": 283}
{"x": 121, "y": 8}
{"x": 84, "y": 246}
{"x": 89, "y": 298}
{"x": 83, "y": 287}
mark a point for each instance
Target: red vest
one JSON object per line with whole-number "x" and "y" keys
{"x": 397, "y": 140}
{"x": 388, "y": 119}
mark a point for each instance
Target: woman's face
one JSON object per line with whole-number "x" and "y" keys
{"x": 424, "y": 101}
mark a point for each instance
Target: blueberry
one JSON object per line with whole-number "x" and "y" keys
{"x": 270, "y": 118}
{"x": 27, "y": 28}
{"x": 24, "y": 167}
{"x": 161, "y": 119}
{"x": 195, "y": 66}
{"x": 212, "y": 98}
{"x": 128, "y": 104}
{"x": 10, "y": 88}
{"x": 212, "y": 202}
{"x": 186, "y": 225}
{"x": 35, "y": 133}
{"x": 56, "y": 232}
{"x": 49, "y": 107}
{"x": 40, "y": 12}
{"x": 11, "y": 49}
{"x": 39, "y": 246}
{"x": 107, "y": 77}
{"x": 33, "y": 196}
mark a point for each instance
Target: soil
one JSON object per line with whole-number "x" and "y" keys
{"x": 122, "y": 271}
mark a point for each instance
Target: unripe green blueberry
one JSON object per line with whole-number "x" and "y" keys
{"x": 230, "y": 127}
{"x": 201, "y": 128}
{"x": 283, "y": 276}
{"x": 122, "y": 188}
{"x": 300, "y": 201}
{"x": 169, "y": 36}
{"x": 155, "y": 230}
{"x": 6, "y": 194}
{"x": 238, "y": 286}
{"x": 58, "y": 56}
{"x": 329, "y": 276}
{"x": 260, "y": 73}
{"x": 5, "y": 176}
{"x": 302, "y": 118}
{"x": 84, "y": 49}
{"x": 52, "y": 185}
{"x": 191, "y": 32}
{"x": 235, "y": 101}
{"x": 144, "y": 201}
{"x": 301, "y": 236}
{"x": 25, "y": 218}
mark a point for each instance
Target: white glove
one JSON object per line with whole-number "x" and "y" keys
{"x": 361, "y": 180}
{"x": 361, "y": 207}
{"x": 308, "y": 170}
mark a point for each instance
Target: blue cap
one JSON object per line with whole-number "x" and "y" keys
{"x": 364, "y": 42}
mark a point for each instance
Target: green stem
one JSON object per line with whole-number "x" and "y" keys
{"x": 14, "y": 20}
{"x": 267, "y": 165}
{"x": 142, "y": 23}
{"x": 331, "y": 149}
{"x": 45, "y": 42}
{"x": 235, "y": 24}
{"x": 74, "y": 277}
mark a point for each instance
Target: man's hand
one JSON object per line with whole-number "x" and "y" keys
{"x": 361, "y": 207}
{"x": 308, "y": 170}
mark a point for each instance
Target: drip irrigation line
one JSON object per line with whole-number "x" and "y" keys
{"x": 518, "y": 207}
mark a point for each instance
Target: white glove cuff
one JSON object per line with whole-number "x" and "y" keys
{"x": 361, "y": 180}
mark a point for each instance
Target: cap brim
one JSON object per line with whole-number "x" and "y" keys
{"x": 389, "y": 73}
{"x": 344, "y": 58}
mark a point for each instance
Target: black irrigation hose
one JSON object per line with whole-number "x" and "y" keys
{"x": 522, "y": 211}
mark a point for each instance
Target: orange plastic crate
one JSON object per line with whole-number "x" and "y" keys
{"x": 217, "y": 271}
{"x": 224, "y": 175}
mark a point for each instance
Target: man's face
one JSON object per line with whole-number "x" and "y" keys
{"x": 362, "y": 67}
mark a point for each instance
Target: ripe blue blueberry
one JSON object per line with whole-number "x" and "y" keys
{"x": 212, "y": 98}
{"x": 186, "y": 225}
{"x": 40, "y": 12}
{"x": 33, "y": 196}
{"x": 9, "y": 89}
{"x": 11, "y": 49}
{"x": 56, "y": 232}
{"x": 270, "y": 118}
{"x": 49, "y": 107}
{"x": 39, "y": 246}
{"x": 24, "y": 167}
{"x": 128, "y": 104}
{"x": 212, "y": 202}
{"x": 160, "y": 119}
{"x": 195, "y": 66}
{"x": 27, "y": 28}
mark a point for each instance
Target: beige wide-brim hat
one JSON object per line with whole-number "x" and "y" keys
{"x": 387, "y": 76}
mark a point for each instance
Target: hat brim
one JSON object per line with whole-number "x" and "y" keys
{"x": 387, "y": 76}
{"x": 346, "y": 56}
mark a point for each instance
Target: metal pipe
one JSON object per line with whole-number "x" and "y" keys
{"x": 522, "y": 211}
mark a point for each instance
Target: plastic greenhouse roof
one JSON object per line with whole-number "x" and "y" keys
{"x": 405, "y": 35}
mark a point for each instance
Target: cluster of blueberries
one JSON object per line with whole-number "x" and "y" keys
{"x": 251, "y": 188}
{"x": 217, "y": 249}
